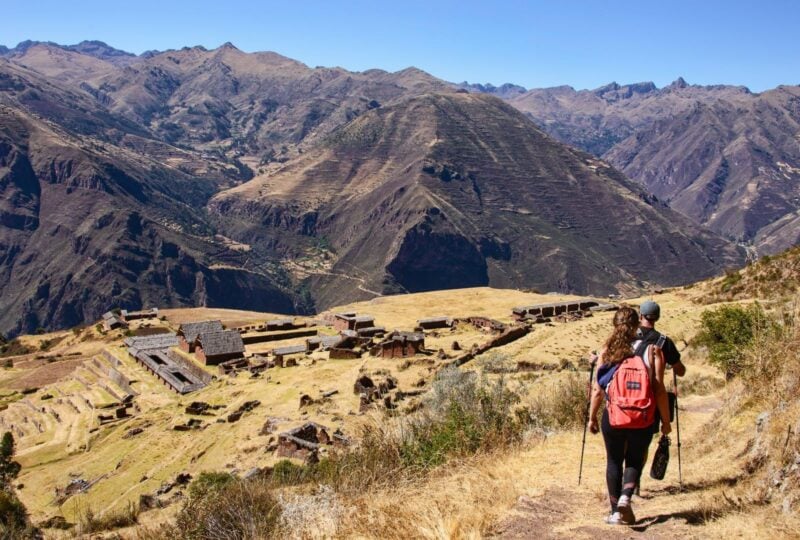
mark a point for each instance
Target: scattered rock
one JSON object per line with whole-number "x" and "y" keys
{"x": 56, "y": 522}
{"x": 132, "y": 432}
{"x": 306, "y": 401}
{"x": 252, "y": 473}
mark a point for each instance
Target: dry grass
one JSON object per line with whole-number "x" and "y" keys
{"x": 465, "y": 497}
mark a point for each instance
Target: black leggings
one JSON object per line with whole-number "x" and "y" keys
{"x": 628, "y": 446}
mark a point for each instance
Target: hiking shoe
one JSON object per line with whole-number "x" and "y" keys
{"x": 625, "y": 511}
{"x": 614, "y": 519}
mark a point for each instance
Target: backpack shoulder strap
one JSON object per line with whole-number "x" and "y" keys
{"x": 651, "y": 369}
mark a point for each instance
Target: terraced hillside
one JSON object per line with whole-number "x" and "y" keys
{"x": 459, "y": 190}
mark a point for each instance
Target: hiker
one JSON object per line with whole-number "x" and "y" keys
{"x": 629, "y": 380}
{"x": 649, "y": 313}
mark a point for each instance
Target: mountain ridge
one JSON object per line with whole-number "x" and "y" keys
{"x": 233, "y": 120}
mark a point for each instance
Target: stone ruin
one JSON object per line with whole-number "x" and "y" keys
{"x": 201, "y": 408}
{"x": 305, "y": 442}
{"x": 352, "y": 321}
{"x": 509, "y": 334}
{"x": 381, "y": 388}
{"x": 540, "y": 313}
{"x": 433, "y": 323}
{"x": 231, "y": 367}
{"x": 400, "y": 345}
{"x": 189, "y": 425}
{"x": 149, "y": 501}
{"x": 247, "y": 406}
{"x": 485, "y": 323}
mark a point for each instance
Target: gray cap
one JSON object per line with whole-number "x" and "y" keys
{"x": 650, "y": 310}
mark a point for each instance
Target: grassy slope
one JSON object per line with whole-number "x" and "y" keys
{"x": 129, "y": 467}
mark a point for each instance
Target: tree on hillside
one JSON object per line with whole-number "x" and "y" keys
{"x": 9, "y": 469}
{"x": 13, "y": 515}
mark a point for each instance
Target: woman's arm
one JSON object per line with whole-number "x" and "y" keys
{"x": 594, "y": 407}
{"x": 662, "y": 403}
{"x": 596, "y": 397}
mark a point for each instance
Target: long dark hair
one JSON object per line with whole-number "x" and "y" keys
{"x": 619, "y": 343}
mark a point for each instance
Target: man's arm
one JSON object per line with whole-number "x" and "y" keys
{"x": 662, "y": 403}
{"x": 673, "y": 357}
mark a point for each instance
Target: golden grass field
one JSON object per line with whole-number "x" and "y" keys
{"x": 529, "y": 492}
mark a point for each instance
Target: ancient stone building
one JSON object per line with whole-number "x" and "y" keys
{"x": 433, "y": 323}
{"x": 305, "y": 442}
{"x": 112, "y": 321}
{"x": 281, "y": 354}
{"x": 400, "y": 345}
{"x": 322, "y": 343}
{"x": 551, "y": 310}
{"x": 153, "y": 353}
{"x": 188, "y": 332}
{"x": 348, "y": 321}
{"x": 213, "y": 348}
{"x": 280, "y": 324}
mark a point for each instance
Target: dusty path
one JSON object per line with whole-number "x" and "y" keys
{"x": 558, "y": 508}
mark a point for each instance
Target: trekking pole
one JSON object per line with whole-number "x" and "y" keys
{"x": 586, "y": 418}
{"x": 678, "y": 429}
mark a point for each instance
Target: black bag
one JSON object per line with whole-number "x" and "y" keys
{"x": 660, "y": 460}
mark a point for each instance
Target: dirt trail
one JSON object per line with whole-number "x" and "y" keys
{"x": 559, "y": 508}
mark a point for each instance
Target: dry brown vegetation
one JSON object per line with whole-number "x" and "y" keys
{"x": 770, "y": 277}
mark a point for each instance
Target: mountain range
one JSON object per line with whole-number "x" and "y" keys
{"x": 723, "y": 156}
{"x": 249, "y": 180}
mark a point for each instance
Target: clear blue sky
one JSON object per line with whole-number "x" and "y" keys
{"x": 581, "y": 43}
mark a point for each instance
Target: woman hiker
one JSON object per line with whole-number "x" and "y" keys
{"x": 634, "y": 396}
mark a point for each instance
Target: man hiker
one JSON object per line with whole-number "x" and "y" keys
{"x": 649, "y": 313}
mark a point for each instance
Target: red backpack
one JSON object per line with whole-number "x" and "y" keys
{"x": 631, "y": 400}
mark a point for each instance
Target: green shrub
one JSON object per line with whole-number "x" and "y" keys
{"x": 286, "y": 473}
{"x": 732, "y": 277}
{"x": 209, "y": 482}
{"x": 728, "y": 331}
{"x": 13, "y": 515}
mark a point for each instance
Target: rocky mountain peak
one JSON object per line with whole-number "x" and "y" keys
{"x": 99, "y": 49}
{"x": 678, "y": 83}
{"x": 505, "y": 90}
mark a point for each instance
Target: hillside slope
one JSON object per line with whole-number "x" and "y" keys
{"x": 457, "y": 190}
{"x": 87, "y": 226}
